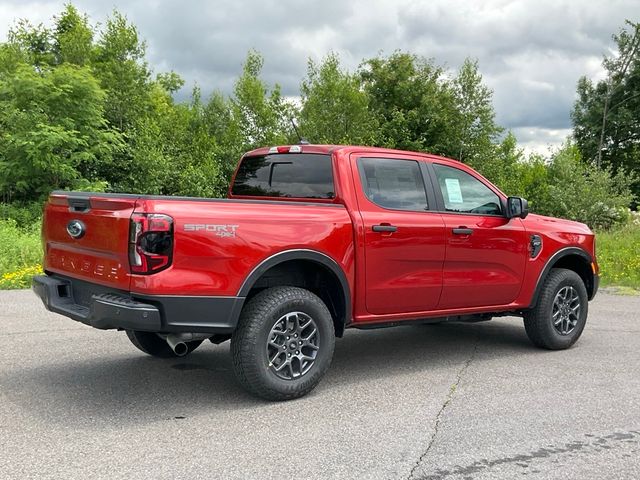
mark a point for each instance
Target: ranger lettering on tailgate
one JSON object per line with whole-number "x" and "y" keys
{"x": 67, "y": 262}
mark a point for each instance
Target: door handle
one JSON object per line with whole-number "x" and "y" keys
{"x": 385, "y": 227}
{"x": 462, "y": 231}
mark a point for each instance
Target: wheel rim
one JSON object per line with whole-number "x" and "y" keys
{"x": 566, "y": 310}
{"x": 292, "y": 345}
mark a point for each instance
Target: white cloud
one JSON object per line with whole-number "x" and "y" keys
{"x": 539, "y": 140}
{"x": 36, "y": 12}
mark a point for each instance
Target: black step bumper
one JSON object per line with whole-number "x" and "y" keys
{"x": 105, "y": 308}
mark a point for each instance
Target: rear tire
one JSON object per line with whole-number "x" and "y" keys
{"x": 151, "y": 344}
{"x": 283, "y": 344}
{"x": 560, "y": 315}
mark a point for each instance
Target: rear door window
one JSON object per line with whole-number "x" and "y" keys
{"x": 292, "y": 175}
{"x": 393, "y": 184}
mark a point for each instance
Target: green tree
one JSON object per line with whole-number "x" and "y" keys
{"x": 170, "y": 81}
{"x": 119, "y": 63}
{"x": 218, "y": 117}
{"x": 193, "y": 153}
{"x": 53, "y": 131}
{"x": 335, "y": 110}
{"x": 411, "y": 101}
{"x": 260, "y": 114}
{"x": 474, "y": 131}
{"x": 72, "y": 37}
{"x": 171, "y": 151}
{"x": 532, "y": 175}
{"x": 606, "y": 115}
{"x": 84, "y": 113}
{"x": 33, "y": 44}
{"x": 501, "y": 165}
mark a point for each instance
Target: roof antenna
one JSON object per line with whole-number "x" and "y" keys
{"x": 301, "y": 140}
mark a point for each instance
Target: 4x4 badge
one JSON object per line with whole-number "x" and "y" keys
{"x": 224, "y": 231}
{"x": 75, "y": 228}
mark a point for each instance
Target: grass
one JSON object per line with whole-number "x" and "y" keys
{"x": 618, "y": 253}
{"x": 20, "y": 254}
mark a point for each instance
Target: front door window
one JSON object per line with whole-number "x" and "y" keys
{"x": 464, "y": 193}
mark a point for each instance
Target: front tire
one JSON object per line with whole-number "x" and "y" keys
{"x": 283, "y": 344}
{"x": 153, "y": 345}
{"x": 560, "y": 315}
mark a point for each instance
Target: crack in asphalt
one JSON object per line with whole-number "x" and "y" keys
{"x": 447, "y": 401}
{"x": 591, "y": 443}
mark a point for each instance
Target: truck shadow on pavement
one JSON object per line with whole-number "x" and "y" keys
{"x": 90, "y": 389}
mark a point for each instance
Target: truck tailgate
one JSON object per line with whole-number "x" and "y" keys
{"x": 87, "y": 237}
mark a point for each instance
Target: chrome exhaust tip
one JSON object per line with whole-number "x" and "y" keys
{"x": 176, "y": 344}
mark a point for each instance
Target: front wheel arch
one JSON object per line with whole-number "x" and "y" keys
{"x": 571, "y": 258}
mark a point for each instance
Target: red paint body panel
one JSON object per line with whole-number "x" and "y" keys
{"x": 403, "y": 269}
{"x": 100, "y": 256}
{"x": 419, "y": 271}
{"x": 207, "y": 264}
{"x": 556, "y": 234}
{"x": 487, "y": 267}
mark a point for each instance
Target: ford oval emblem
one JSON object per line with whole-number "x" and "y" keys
{"x": 75, "y": 228}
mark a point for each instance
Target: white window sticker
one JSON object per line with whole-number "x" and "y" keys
{"x": 453, "y": 190}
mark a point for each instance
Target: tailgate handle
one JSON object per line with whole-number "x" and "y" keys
{"x": 79, "y": 204}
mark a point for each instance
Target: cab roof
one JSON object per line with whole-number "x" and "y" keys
{"x": 329, "y": 149}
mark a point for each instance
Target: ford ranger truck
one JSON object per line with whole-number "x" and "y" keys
{"x": 312, "y": 240}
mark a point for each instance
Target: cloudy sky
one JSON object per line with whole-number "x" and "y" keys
{"x": 531, "y": 53}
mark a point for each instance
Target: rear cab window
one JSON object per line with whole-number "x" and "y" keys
{"x": 287, "y": 175}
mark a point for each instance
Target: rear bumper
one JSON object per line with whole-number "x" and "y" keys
{"x": 104, "y": 308}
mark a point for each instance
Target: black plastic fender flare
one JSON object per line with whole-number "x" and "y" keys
{"x": 564, "y": 252}
{"x": 302, "y": 254}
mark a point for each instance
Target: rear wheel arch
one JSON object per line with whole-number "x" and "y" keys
{"x": 570, "y": 258}
{"x": 306, "y": 269}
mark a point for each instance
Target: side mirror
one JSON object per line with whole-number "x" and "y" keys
{"x": 517, "y": 207}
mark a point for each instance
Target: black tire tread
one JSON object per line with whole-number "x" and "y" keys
{"x": 246, "y": 336}
{"x": 536, "y": 320}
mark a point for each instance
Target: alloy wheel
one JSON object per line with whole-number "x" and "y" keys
{"x": 292, "y": 345}
{"x": 566, "y": 310}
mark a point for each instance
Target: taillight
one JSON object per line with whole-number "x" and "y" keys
{"x": 150, "y": 242}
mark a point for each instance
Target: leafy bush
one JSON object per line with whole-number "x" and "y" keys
{"x": 20, "y": 278}
{"x": 586, "y": 193}
{"x": 25, "y": 214}
{"x": 20, "y": 254}
{"x": 564, "y": 186}
{"x": 567, "y": 187}
{"x": 618, "y": 253}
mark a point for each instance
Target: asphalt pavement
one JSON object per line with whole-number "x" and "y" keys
{"x": 450, "y": 401}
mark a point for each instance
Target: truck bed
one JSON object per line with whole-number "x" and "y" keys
{"x": 216, "y": 242}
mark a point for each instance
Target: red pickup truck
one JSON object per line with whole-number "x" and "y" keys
{"x": 312, "y": 240}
